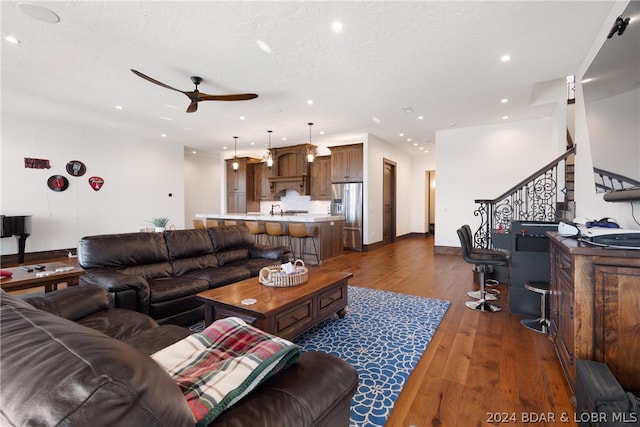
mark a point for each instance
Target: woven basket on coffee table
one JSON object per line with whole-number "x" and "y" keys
{"x": 275, "y": 276}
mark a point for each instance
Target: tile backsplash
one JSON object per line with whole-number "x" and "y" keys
{"x": 294, "y": 201}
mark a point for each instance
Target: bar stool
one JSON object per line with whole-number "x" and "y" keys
{"x": 275, "y": 229}
{"x": 299, "y": 231}
{"x": 197, "y": 223}
{"x": 491, "y": 294}
{"x": 212, "y": 223}
{"x": 541, "y": 324}
{"x": 256, "y": 229}
{"x": 228, "y": 222}
{"x": 482, "y": 261}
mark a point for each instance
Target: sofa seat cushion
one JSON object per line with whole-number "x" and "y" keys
{"x": 118, "y": 323}
{"x": 222, "y": 275}
{"x": 170, "y": 288}
{"x": 152, "y": 340}
{"x": 254, "y": 265}
{"x": 57, "y": 372}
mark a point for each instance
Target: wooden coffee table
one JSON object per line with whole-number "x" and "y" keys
{"x": 285, "y": 312}
{"x": 47, "y": 277}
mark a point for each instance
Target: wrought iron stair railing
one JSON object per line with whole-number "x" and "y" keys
{"x": 610, "y": 181}
{"x": 535, "y": 198}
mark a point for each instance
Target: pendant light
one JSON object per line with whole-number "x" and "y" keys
{"x": 311, "y": 152}
{"x": 268, "y": 157}
{"x": 235, "y": 163}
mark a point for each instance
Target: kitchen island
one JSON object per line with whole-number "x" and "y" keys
{"x": 327, "y": 229}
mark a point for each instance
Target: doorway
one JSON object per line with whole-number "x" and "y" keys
{"x": 430, "y": 202}
{"x": 388, "y": 202}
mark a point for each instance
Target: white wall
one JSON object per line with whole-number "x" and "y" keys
{"x": 139, "y": 175}
{"x": 482, "y": 163}
{"x": 204, "y": 190}
{"x": 588, "y": 203}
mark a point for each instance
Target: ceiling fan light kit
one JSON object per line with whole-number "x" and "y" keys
{"x": 196, "y": 96}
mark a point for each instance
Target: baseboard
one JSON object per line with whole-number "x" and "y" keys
{"x": 36, "y": 257}
{"x": 447, "y": 250}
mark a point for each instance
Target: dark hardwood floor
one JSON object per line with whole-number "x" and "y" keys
{"x": 480, "y": 368}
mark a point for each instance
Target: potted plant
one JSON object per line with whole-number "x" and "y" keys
{"x": 160, "y": 223}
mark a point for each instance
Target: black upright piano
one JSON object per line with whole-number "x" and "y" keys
{"x": 19, "y": 226}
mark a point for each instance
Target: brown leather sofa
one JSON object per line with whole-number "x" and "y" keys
{"x": 69, "y": 359}
{"x": 160, "y": 274}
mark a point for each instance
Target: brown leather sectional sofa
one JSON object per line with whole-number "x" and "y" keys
{"x": 159, "y": 274}
{"x": 69, "y": 359}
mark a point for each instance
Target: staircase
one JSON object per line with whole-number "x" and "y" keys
{"x": 545, "y": 195}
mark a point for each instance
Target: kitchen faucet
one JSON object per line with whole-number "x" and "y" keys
{"x": 275, "y": 206}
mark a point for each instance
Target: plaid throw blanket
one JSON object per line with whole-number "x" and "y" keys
{"x": 219, "y": 366}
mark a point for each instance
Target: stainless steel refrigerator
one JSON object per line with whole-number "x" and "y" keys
{"x": 346, "y": 200}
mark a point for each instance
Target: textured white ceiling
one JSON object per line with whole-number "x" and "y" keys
{"x": 442, "y": 59}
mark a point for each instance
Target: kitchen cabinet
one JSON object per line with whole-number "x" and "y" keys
{"x": 595, "y": 296}
{"x": 321, "y": 178}
{"x": 290, "y": 169}
{"x": 261, "y": 185}
{"x": 347, "y": 163}
{"x": 240, "y": 186}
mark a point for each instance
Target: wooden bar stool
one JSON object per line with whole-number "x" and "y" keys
{"x": 230, "y": 222}
{"x": 541, "y": 324}
{"x": 299, "y": 231}
{"x": 198, "y": 223}
{"x": 256, "y": 229}
{"x": 212, "y": 223}
{"x": 275, "y": 229}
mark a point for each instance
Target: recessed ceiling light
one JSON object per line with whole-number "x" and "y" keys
{"x": 505, "y": 58}
{"x": 505, "y": 117}
{"x": 310, "y": 101}
{"x": 39, "y": 13}
{"x": 504, "y": 100}
{"x": 284, "y": 138}
{"x": 164, "y": 135}
{"x": 241, "y": 117}
{"x": 224, "y": 148}
{"x": 415, "y": 144}
{"x": 421, "y": 148}
{"x": 408, "y": 139}
{"x": 420, "y": 117}
{"x": 263, "y": 46}
{"x": 337, "y": 26}
{"x": 194, "y": 152}
{"x": 321, "y": 132}
{"x": 401, "y": 134}
{"x": 118, "y": 107}
{"x": 375, "y": 120}
{"x": 252, "y": 143}
{"x": 12, "y": 40}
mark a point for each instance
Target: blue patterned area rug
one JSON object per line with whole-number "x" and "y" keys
{"x": 383, "y": 335}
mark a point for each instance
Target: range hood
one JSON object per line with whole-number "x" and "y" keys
{"x": 296, "y": 183}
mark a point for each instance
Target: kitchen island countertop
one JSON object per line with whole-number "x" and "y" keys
{"x": 259, "y": 216}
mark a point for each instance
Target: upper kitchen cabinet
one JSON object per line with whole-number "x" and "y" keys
{"x": 321, "y": 178}
{"x": 347, "y": 163}
{"x": 240, "y": 186}
{"x": 262, "y": 187}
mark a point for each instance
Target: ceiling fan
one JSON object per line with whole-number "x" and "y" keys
{"x": 196, "y": 96}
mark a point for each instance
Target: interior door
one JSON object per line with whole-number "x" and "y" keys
{"x": 389, "y": 202}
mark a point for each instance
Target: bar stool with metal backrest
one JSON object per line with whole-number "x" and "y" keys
{"x": 198, "y": 223}
{"x": 212, "y": 223}
{"x": 256, "y": 229}
{"x": 541, "y": 324}
{"x": 299, "y": 231}
{"x": 275, "y": 229}
{"x": 492, "y": 294}
{"x": 482, "y": 261}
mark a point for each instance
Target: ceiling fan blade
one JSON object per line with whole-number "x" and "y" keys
{"x": 193, "y": 107}
{"x": 139, "y": 74}
{"x": 236, "y": 97}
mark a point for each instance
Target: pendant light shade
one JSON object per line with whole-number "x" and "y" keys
{"x": 311, "y": 151}
{"x": 235, "y": 163}
{"x": 268, "y": 157}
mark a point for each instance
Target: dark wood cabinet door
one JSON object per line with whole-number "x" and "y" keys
{"x": 347, "y": 163}
{"x": 321, "y": 178}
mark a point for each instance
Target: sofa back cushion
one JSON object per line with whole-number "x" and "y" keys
{"x": 231, "y": 243}
{"x": 139, "y": 254}
{"x": 190, "y": 250}
{"x": 57, "y": 372}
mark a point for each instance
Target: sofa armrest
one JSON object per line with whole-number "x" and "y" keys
{"x": 72, "y": 303}
{"x": 274, "y": 252}
{"x": 116, "y": 283}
